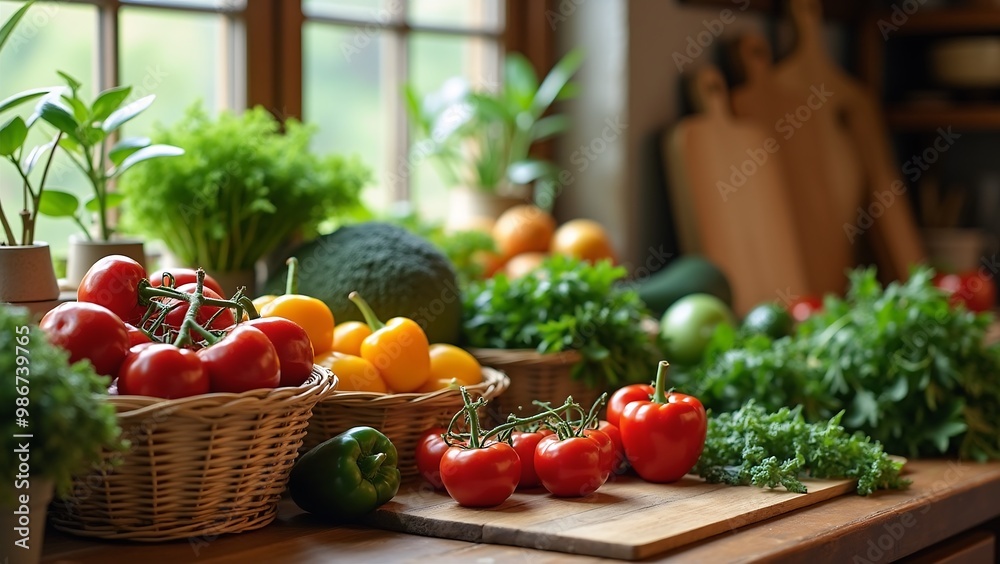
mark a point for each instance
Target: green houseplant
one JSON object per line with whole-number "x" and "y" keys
{"x": 88, "y": 131}
{"x": 481, "y": 140}
{"x": 55, "y": 425}
{"x": 242, "y": 188}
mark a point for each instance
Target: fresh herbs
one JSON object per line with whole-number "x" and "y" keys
{"x": 908, "y": 369}
{"x": 753, "y": 447}
{"x": 565, "y": 305}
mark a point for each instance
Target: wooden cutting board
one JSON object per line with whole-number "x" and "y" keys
{"x": 627, "y": 519}
{"x": 824, "y": 178}
{"x": 730, "y": 197}
{"x": 893, "y": 232}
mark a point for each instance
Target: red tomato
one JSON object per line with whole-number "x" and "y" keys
{"x": 113, "y": 282}
{"x": 291, "y": 342}
{"x": 480, "y": 477}
{"x": 244, "y": 360}
{"x": 803, "y": 308}
{"x": 430, "y": 449}
{"x": 977, "y": 292}
{"x": 175, "y": 317}
{"x": 162, "y": 371}
{"x": 624, "y": 396}
{"x": 88, "y": 332}
{"x": 620, "y": 463}
{"x": 184, "y": 276}
{"x": 136, "y": 336}
{"x": 664, "y": 440}
{"x": 607, "y": 449}
{"x": 525, "y": 444}
{"x": 573, "y": 467}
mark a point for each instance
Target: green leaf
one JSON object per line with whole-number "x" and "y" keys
{"x": 58, "y": 116}
{"x": 22, "y": 97}
{"x": 73, "y": 83}
{"x": 520, "y": 82}
{"x": 12, "y": 135}
{"x": 109, "y": 101}
{"x": 8, "y": 27}
{"x": 530, "y": 170}
{"x": 80, "y": 110}
{"x": 35, "y": 155}
{"x": 111, "y": 201}
{"x": 69, "y": 145}
{"x": 125, "y": 113}
{"x": 126, "y": 147}
{"x": 56, "y": 203}
{"x": 548, "y": 127}
{"x": 555, "y": 81}
{"x": 146, "y": 153}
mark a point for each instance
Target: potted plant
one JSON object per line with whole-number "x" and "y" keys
{"x": 242, "y": 188}
{"x": 56, "y": 425}
{"x": 481, "y": 140}
{"x": 35, "y": 284}
{"x": 88, "y": 131}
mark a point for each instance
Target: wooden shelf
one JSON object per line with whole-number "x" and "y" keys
{"x": 967, "y": 118}
{"x": 930, "y": 21}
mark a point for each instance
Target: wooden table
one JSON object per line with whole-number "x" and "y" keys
{"x": 947, "y": 498}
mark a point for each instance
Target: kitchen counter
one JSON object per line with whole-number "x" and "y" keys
{"x": 947, "y": 498}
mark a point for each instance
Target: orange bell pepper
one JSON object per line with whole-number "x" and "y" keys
{"x": 347, "y": 337}
{"x": 398, "y": 348}
{"x": 354, "y": 373}
{"x": 449, "y": 361}
{"x": 310, "y": 313}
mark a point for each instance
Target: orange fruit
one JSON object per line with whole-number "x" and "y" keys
{"x": 523, "y": 264}
{"x": 523, "y": 229}
{"x": 583, "y": 239}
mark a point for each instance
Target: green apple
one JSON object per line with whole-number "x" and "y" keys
{"x": 689, "y": 324}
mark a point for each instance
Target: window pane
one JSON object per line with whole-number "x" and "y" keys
{"x": 52, "y": 36}
{"x": 342, "y": 96}
{"x": 433, "y": 60}
{"x": 178, "y": 57}
{"x": 382, "y": 11}
{"x": 224, "y": 5}
{"x": 479, "y": 14}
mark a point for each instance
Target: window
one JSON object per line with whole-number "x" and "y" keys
{"x": 339, "y": 64}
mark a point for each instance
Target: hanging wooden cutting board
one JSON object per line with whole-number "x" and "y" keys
{"x": 626, "y": 519}
{"x": 823, "y": 176}
{"x": 888, "y": 217}
{"x": 730, "y": 198}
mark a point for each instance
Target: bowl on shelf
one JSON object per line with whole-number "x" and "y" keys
{"x": 967, "y": 62}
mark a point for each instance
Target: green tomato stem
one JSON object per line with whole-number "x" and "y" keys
{"x": 591, "y": 418}
{"x": 373, "y": 322}
{"x": 292, "y": 282}
{"x": 473, "y": 418}
{"x": 659, "y": 393}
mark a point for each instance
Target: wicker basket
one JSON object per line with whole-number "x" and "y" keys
{"x": 196, "y": 467}
{"x": 534, "y": 376}
{"x": 401, "y": 417}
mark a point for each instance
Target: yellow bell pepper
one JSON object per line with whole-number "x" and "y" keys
{"x": 449, "y": 361}
{"x": 311, "y": 314}
{"x": 347, "y": 337}
{"x": 354, "y": 373}
{"x": 398, "y": 348}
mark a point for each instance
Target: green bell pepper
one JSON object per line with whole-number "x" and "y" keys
{"x": 346, "y": 476}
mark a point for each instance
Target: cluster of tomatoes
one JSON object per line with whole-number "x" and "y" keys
{"x": 659, "y": 435}
{"x": 136, "y": 329}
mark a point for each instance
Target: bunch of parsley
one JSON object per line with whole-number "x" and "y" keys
{"x": 564, "y": 305}
{"x": 753, "y": 447}
{"x": 906, "y": 368}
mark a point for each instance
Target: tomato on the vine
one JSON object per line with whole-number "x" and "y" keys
{"x": 803, "y": 308}
{"x": 480, "y": 477}
{"x": 243, "y": 360}
{"x": 620, "y": 463}
{"x": 291, "y": 342}
{"x": 113, "y": 282}
{"x": 162, "y": 371}
{"x": 184, "y": 276}
{"x": 88, "y": 332}
{"x": 524, "y": 444}
{"x": 574, "y": 466}
{"x": 978, "y": 293}
{"x": 624, "y": 396}
{"x": 179, "y": 308}
{"x": 136, "y": 336}
{"x": 431, "y": 446}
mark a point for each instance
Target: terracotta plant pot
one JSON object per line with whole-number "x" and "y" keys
{"x": 83, "y": 254}
{"x": 27, "y": 277}
{"x": 24, "y": 524}
{"x": 469, "y": 208}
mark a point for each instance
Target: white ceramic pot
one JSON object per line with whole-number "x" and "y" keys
{"x": 22, "y": 526}
{"x": 469, "y": 208}
{"x": 27, "y": 277}
{"x": 83, "y": 254}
